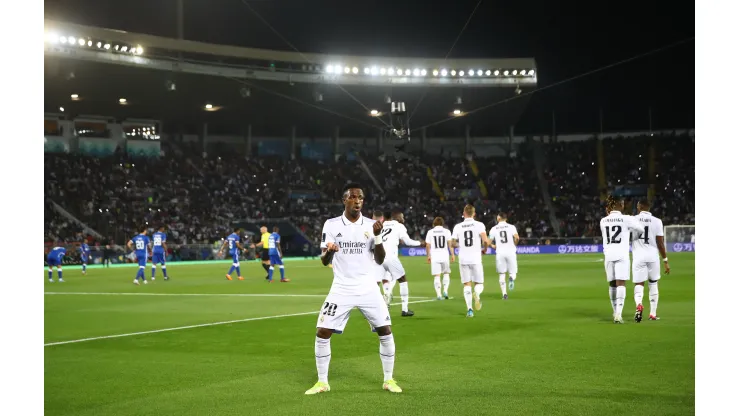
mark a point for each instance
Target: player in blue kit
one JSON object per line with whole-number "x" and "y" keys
{"x": 140, "y": 245}
{"x": 234, "y": 249}
{"x": 159, "y": 252}
{"x": 84, "y": 256}
{"x": 54, "y": 258}
{"x": 276, "y": 255}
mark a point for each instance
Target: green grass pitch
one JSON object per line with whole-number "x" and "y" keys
{"x": 550, "y": 349}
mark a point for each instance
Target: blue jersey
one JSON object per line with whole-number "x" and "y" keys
{"x": 272, "y": 244}
{"x": 157, "y": 239}
{"x": 231, "y": 240}
{"x": 141, "y": 242}
{"x": 84, "y": 250}
{"x": 57, "y": 253}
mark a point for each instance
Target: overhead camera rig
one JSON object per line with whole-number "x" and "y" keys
{"x": 399, "y": 122}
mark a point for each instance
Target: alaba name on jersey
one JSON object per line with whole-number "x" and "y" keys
{"x": 393, "y": 233}
{"x": 467, "y": 234}
{"x": 615, "y": 233}
{"x": 644, "y": 243}
{"x": 438, "y": 239}
{"x": 354, "y": 264}
{"x": 502, "y": 236}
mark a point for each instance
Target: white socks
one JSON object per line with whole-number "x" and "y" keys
{"x": 613, "y": 298}
{"x": 391, "y": 285}
{"x": 468, "y": 295}
{"x": 653, "y": 293}
{"x": 387, "y": 355}
{"x": 446, "y": 282}
{"x": 621, "y": 294}
{"x": 438, "y": 286}
{"x": 404, "y": 289}
{"x": 478, "y": 289}
{"x": 386, "y": 287}
{"x": 512, "y": 276}
{"x": 502, "y": 283}
{"x": 639, "y": 291}
{"x": 323, "y": 356}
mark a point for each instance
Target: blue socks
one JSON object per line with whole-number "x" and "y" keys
{"x": 282, "y": 273}
{"x": 154, "y": 271}
{"x": 59, "y": 273}
{"x": 50, "y": 275}
{"x": 84, "y": 267}
{"x": 231, "y": 270}
{"x": 238, "y": 271}
{"x": 164, "y": 270}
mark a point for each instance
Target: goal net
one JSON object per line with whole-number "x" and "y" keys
{"x": 680, "y": 238}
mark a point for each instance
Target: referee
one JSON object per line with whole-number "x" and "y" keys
{"x": 265, "y": 237}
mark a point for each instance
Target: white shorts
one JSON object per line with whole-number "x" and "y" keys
{"x": 617, "y": 270}
{"x": 394, "y": 267}
{"x": 506, "y": 263}
{"x": 471, "y": 272}
{"x": 380, "y": 273}
{"x": 440, "y": 267}
{"x": 644, "y": 270}
{"x": 334, "y": 313}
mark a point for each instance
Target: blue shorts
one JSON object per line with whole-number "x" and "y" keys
{"x": 141, "y": 258}
{"x": 54, "y": 261}
{"x": 275, "y": 260}
{"x": 235, "y": 257}
{"x": 84, "y": 259}
{"x": 158, "y": 258}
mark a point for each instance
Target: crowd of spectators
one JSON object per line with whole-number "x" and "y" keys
{"x": 200, "y": 195}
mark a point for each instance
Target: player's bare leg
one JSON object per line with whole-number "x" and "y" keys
{"x": 621, "y": 294}
{"x": 468, "y": 295}
{"x": 653, "y": 293}
{"x": 388, "y": 358}
{"x": 639, "y": 291}
{"x": 502, "y": 283}
{"x": 438, "y": 286}
{"x": 403, "y": 287}
{"x": 322, "y": 349}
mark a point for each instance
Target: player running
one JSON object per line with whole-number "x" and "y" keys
{"x": 471, "y": 233}
{"x": 393, "y": 233}
{"x": 276, "y": 255}
{"x": 159, "y": 252}
{"x": 353, "y": 244}
{"x": 440, "y": 254}
{"x": 504, "y": 239}
{"x": 140, "y": 245}
{"x": 234, "y": 249}
{"x": 615, "y": 232}
{"x": 645, "y": 261}
{"x": 84, "y": 256}
{"x": 54, "y": 258}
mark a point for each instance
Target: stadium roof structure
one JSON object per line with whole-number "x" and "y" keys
{"x": 185, "y": 84}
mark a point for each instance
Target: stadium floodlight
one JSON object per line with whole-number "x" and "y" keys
{"x": 457, "y": 112}
{"x": 453, "y": 72}
{"x": 52, "y": 38}
{"x": 435, "y": 72}
{"x": 89, "y": 43}
{"x": 531, "y": 72}
{"x": 471, "y": 72}
{"x": 81, "y": 41}
{"x": 506, "y": 73}
{"x": 374, "y": 113}
{"x": 71, "y": 40}
{"x": 407, "y": 72}
{"x": 514, "y": 72}
{"x": 116, "y": 47}
{"x": 62, "y": 39}
{"x": 209, "y": 106}
{"x": 124, "y": 48}
{"x": 416, "y": 72}
{"x": 374, "y": 70}
{"x": 480, "y": 72}
{"x": 382, "y": 71}
{"x": 443, "y": 72}
{"x": 122, "y": 101}
{"x": 496, "y": 72}
{"x": 346, "y": 70}
{"x": 488, "y": 72}
{"x": 355, "y": 70}
{"x": 423, "y": 72}
{"x": 461, "y": 73}
{"x": 106, "y": 46}
{"x": 390, "y": 70}
{"x": 399, "y": 71}
{"x": 61, "y": 109}
{"x": 329, "y": 69}
{"x": 523, "y": 72}
{"x": 74, "y": 96}
{"x": 366, "y": 71}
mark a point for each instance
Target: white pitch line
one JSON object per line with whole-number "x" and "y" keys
{"x": 259, "y": 318}
{"x": 200, "y": 294}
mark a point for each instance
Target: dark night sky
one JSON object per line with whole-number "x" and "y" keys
{"x": 565, "y": 38}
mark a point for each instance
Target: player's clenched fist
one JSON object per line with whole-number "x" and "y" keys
{"x": 332, "y": 247}
{"x": 377, "y": 227}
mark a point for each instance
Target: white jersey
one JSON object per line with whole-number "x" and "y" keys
{"x": 393, "y": 234}
{"x": 438, "y": 239}
{"x": 354, "y": 265}
{"x": 502, "y": 236}
{"x": 615, "y": 232}
{"x": 467, "y": 234}
{"x": 644, "y": 244}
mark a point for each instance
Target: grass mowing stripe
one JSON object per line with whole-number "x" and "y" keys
{"x": 259, "y": 318}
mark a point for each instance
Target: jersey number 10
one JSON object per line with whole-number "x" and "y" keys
{"x": 440, "y": 241}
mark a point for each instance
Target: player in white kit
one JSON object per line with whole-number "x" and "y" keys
{"x": 504, "y": 239}
{"x": 468, "y": 236}
{"x": 646, "y": 246}
{"x": 393, "y": 233}
{"x": 440, "y": 254}
{"x": 615, "y": 232}
{"x": 352, "y": 243}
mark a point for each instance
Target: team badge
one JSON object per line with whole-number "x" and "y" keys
{"x": 367, "y": 234}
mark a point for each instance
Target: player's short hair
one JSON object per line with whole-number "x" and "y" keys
{"x": 162, "y": 227}
{"x": 644, "y": 203}
{"x": 237, "y": 229}
{"x": 275, "y": 229}
{"x": 438, "y": 221}
{"x": 347, "y": 187}
{"x": 469, "y": 210}
{"x": 144, "y": 227}
{"x": 503, "y": 215}
{"x": 612, "y": 202}
{"x": 377, "y": 214}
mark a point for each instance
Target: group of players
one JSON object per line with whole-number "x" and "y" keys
{"x": 272, "y": 254}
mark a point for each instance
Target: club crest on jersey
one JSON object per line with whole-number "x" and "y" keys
{"x": 367, "y": 234}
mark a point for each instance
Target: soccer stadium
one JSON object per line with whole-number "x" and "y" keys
{"x": 236, "y": 226}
